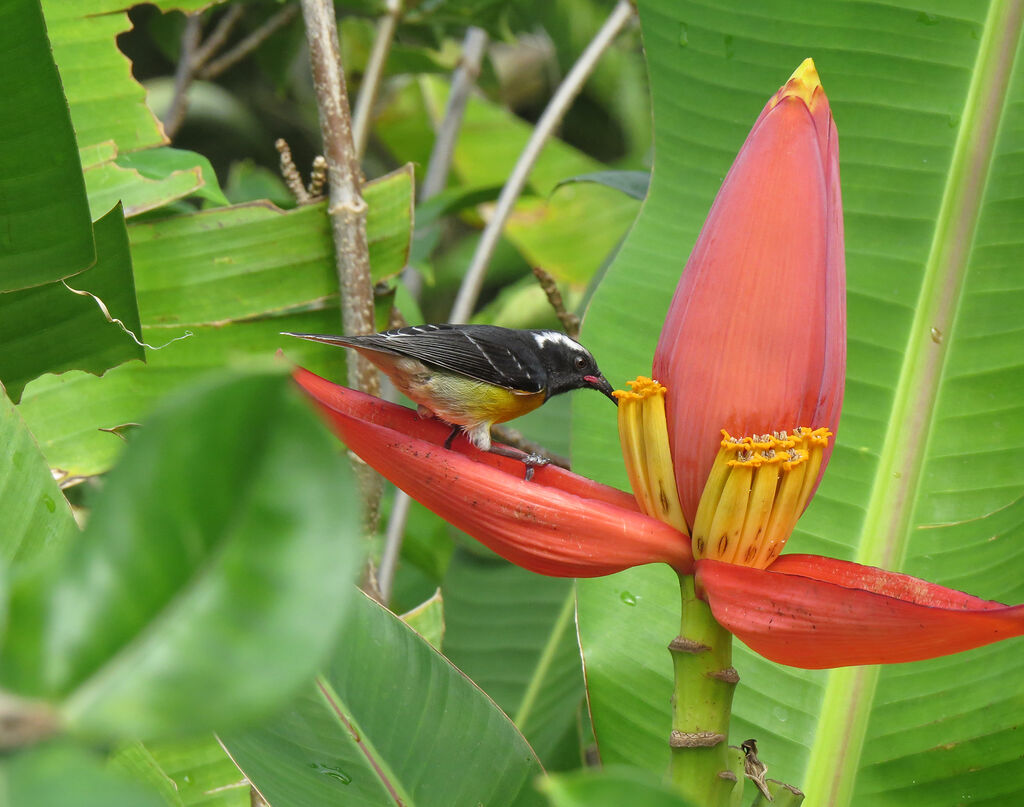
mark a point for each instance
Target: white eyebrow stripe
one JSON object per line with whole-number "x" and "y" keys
{"x": 542, "y": 338}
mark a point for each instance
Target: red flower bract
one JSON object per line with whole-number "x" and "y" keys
{"x": 558, "y": 524}
{"x": 754, "y": 344}
{"x": 815, "y": 612}
{"x": 755, "y": 338}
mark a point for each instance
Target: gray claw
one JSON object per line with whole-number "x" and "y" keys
{"x": 532, "y": 461}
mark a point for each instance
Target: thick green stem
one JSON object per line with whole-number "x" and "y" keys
{"x": 701, "y": 704}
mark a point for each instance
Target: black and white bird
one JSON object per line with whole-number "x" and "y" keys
{"x": 473, "y": 376}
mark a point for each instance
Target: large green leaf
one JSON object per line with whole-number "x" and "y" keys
{"x": 237, "y": 277}
{"x": 196, "y": 771}
{"x": 210, "y": 578}
{"x": 59, "y": 775}
{"x": 77, "y": 417}
{"x": 923, "y": 479}
{"x": 240, "y": 262}
{"x": 116, "y": 130}
{"x": 45, "y": 231}
{"x": 109, "y": 183}
{"x": 611, "y": 787}
{"x": 107, "y": 103}
{"x": 36, "y": 514}
{"x": 61, "y": 326}
{"x": 390, "y": 721}
{"x": 427, "y": 619}
{"x": 513, "y": 633}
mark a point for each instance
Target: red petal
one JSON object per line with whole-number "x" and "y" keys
{"x": 755, "y": 339}
{"x": 879, "y": 581}
{"x": 400, "y": 418}
{"x": 836, "y": 618}
{"x": 558, "y": 524}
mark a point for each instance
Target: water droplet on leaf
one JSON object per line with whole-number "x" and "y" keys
{"x": 334, "y": 773}
{"x": 629, "y": 599}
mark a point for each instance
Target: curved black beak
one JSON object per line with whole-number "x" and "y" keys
{"x": 600, "y": 383}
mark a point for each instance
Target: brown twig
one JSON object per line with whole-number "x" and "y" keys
{"x": 256, "y": 798}
{"x": 25, "y": 722}
{"x": 347, "y": 211}
{"x": 248, "y": 44}
{"x": 569, "y": 321}
{"x": 346, "y": 208}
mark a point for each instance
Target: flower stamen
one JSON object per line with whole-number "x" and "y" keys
{"x": 757, "y": 489}
{"x": 643, "y": 433}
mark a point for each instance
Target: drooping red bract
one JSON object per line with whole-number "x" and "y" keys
{"x": 816, "y": 612}
{"x": 558, "y": 524}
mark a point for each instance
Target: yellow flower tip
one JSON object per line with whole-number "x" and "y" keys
{"x": 806, "y": 75}
{"x": 803, "y": 84}
{"x": 643, "y": 387}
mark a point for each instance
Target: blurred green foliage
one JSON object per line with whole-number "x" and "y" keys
{"x": 179, "y": 535}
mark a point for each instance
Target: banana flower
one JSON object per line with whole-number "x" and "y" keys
{"x": 725, "y": 450}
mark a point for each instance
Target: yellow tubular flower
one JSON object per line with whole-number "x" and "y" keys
{"x": 643, "y": 434}
{"x": 757, "y": 489}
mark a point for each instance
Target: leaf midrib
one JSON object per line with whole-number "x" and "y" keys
{"x": 849, "y": 694}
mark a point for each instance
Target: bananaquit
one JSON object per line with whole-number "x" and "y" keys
{"x": 473, "y": 376}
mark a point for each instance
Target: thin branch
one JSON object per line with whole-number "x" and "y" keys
{"x": 469, "y": 291}
{"x": 386, "y": 27}
{"x": 346, "y": 208}
{"x": 569, "y": 321}
{"x": 196, "y": 55}
{"x": 247, "y": 45}
{"x": 393, "y": 544}
{"x": 215, "y": 41}
{"x": 347, "y": 212}
{"x": 437, "y": 174}
{"x": 464, "y": 78}
{"x": 183, "y": 75}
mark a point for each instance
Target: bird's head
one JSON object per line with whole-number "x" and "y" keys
{"x": 569, "y": 365}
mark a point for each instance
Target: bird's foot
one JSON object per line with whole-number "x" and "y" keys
{"x": 530, "y": 460}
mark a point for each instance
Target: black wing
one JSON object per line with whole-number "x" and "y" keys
{"x": 500, "y": 356}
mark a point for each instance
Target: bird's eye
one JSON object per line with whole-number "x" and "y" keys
{"x": 581, "y": 363}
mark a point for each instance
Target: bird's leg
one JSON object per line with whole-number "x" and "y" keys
{"x": 452, "y": 436}
{"x": 531, "y": 461}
